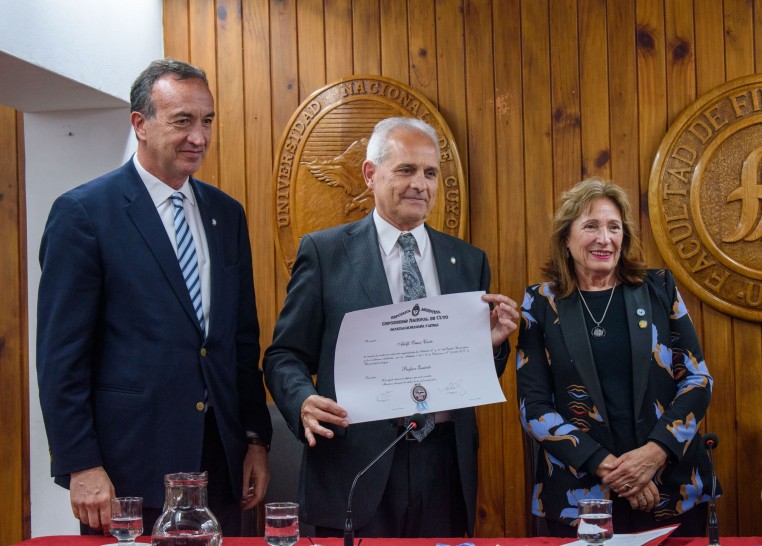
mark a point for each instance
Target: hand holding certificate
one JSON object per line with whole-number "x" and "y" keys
{"x": 431, "y": 354}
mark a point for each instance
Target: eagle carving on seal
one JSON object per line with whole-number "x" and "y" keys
{"x": 345, "y": 172}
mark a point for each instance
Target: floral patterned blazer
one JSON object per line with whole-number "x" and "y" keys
{"x": 562, "y": 406}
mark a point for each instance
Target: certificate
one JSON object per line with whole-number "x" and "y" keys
{"x": 421, "y": 356}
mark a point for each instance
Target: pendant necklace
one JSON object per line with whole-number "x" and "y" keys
{"x": 598, "y": 332}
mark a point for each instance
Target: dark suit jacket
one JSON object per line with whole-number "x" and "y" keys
{"x": 562, "y": 405}
{"x": 122, "y": 364}
{"x": 337, "y": 271}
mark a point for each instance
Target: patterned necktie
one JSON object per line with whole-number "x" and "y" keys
{"x": 186, "y": 255}
{"x": 412, "y": 281}
{"x": 412, "y": 284}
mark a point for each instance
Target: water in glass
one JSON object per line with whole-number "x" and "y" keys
{"x": 595, "y": 524}
{"x": 126, "y": 528}
{"x": 595, "y": 528}
{"x": 281, "y": 523}
{"x": 187, "y": 538}
{"x": 126, "y": 519}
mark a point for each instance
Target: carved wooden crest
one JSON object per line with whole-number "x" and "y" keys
{"x": 318, "y": 176}
{"x": 705, "y": 198}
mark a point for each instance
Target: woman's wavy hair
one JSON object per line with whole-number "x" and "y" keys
{"x": 559, "y": 270}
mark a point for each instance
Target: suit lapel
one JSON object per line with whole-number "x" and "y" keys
{"x": 214, "y": 246}
{"x": 361, "y": 245}
{"x": 143, "y": 214}
{"x": 637, "y": 301}
{"x": 577, "y": 340}
{"x": 448, "y": 271}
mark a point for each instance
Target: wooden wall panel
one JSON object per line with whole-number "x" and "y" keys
{"x": 202, "y": 25}
{"x": 623, "y": 113}
{"x": 395, "y": 50}
{"x": 508, "y": 270}
{"x": 230, "y": 100}
{"x": 652, "y": 108}
{"x": 747, "y": 340}
{"x": 565, "y": 101}
{"x": 422, "y": 46}
{"x": 537, "y": 127}
{"x": 739, "y": 61}
{"x": 311, "y": 46}
{"x": 451, "y": 73}
{"x": 718, "y": 330}
{"x": 259, "y": 160}
{"x": 537, "y": 93}
{"x": 757, "y": 21}
{"x": 594, "y": 88}
{"x": 480, "y": 109}
{"x": 338, "y": 39}
{"x": 681, "y": 85}
{"x": 366, "y": 39}
{"x": 176, "y": 43}
{"x": 15, "y": 520}
{"x": 284, "y": 78}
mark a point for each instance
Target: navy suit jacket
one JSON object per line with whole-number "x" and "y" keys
{"x": 123, "y": 367}
{"x": 336, "y": 271}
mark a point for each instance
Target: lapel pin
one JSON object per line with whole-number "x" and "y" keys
{"x": 641, "y": 312}
{"x": 214, "y": 221}
{"x": 642, "y": 323}
{"x": 452, "y": 260}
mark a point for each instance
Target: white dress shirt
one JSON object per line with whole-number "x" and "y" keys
{"x": 391, "y": 256}
{"x": 161, "y": 195}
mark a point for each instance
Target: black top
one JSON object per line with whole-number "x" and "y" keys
{"x": 613, "y": 362}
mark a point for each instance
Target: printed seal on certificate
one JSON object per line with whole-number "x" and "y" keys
{"x": 419, "y": 394}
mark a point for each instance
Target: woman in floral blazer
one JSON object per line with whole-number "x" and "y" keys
{"x": 612, "y": 383}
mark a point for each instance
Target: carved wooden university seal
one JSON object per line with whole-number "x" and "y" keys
{"x": 318, "y": 176}
{"x": 705, "y": 198}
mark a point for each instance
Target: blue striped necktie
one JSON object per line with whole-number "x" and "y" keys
{"x": 186, "y": 255}
{"x": 413, "y": 287}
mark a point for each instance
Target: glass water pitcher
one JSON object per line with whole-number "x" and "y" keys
{"x": 186, "y": 519}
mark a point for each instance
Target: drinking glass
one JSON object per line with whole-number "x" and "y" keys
{"x": 595, "y": 526}
{"x": 281, "y": 523}
{"x": 126, "y": 519}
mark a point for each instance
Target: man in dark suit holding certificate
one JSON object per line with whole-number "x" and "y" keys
{"x": 148, "y": 340}
{"x": 426, "y": 487}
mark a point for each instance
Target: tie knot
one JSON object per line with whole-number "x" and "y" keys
{"x": 406, "y": 241}
{"x": 177, "y": 199}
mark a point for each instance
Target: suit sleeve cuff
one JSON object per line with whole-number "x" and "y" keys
{"x": 502, "y": 351}
{"x": 595, "y": 460}
{"x": 255, "y": 439}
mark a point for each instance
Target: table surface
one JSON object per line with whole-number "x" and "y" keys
{"x": 75, "y": 540}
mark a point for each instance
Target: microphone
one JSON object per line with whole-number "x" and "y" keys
{"x": 711, "y": 441}
{"x": 416, "y": 421}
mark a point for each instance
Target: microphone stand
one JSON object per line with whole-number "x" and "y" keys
{"x": 349, "y": 532}
{"x": 710, "y": 442}
{"x": 714, "y": 522}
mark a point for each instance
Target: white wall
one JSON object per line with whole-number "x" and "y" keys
{"x": 101, "y": 44}
{"x": 63, "y": 150}
{"x": 72, "y": 63}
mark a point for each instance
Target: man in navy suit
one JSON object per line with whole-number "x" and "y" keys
{"x": 423, "y": 489}
{"x": 141, "y": 373}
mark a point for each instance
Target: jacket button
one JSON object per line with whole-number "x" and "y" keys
{"x": 200, "y": 406}
{"x": 203, "y": 351}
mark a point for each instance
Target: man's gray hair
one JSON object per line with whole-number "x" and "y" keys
{"x": 378, "y": 149}
{"x": 140, "y": 93}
